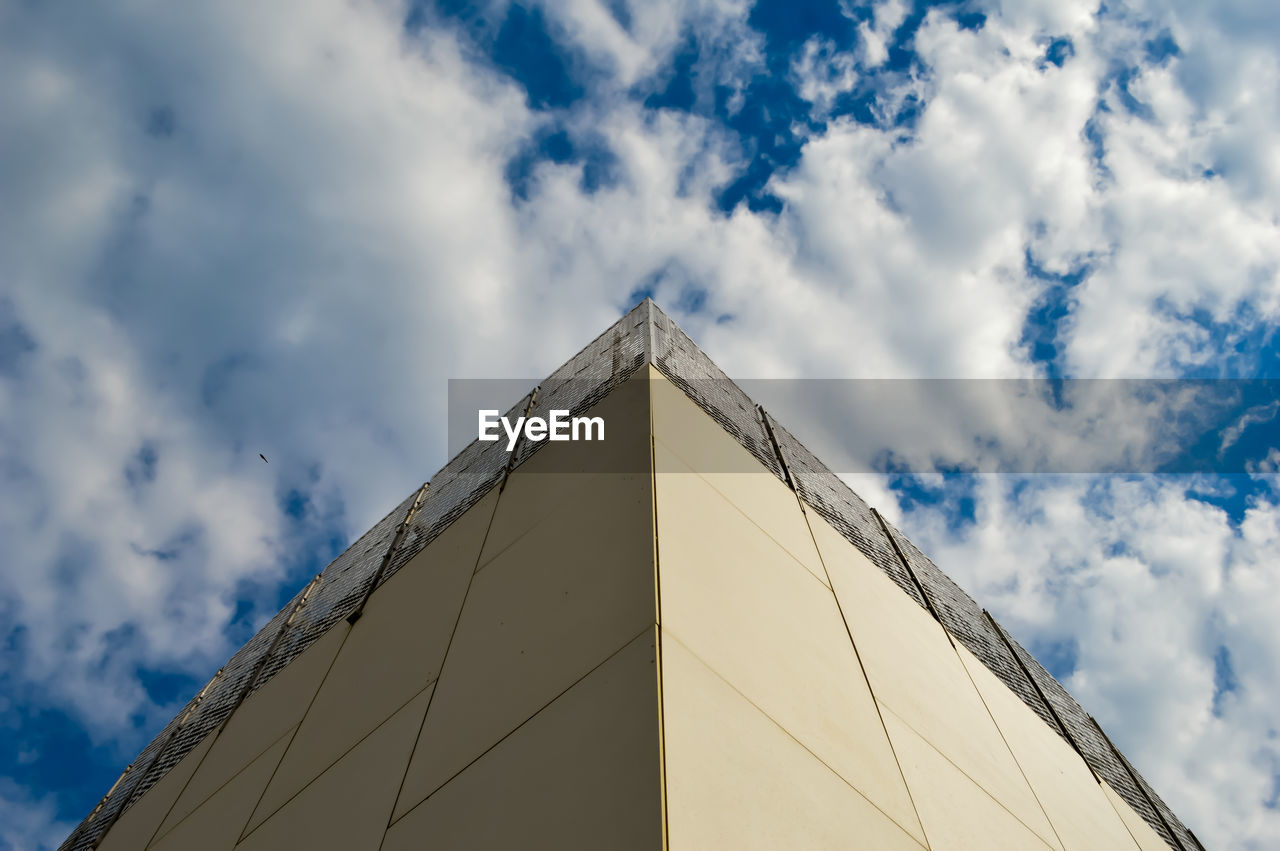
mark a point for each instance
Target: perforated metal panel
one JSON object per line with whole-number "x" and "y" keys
{"x": 460, "y": 484}
{"x": 588, "y": 376}
{"x": 643, "y": 335}
{"x": 202, "y": 714}
{"x": 226, "y": 692}
{"x": 964, "y": 619}
{"x": 824, "y": 492}
{"x": 686, "y": 366}
{"x": 341, "y": 586}
{"x": 1090, "y": 742}
{"x": 113, "y": 804}
{"x": 1180, "y": 830}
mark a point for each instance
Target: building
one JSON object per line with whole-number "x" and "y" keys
{"x": 690, "y": 635}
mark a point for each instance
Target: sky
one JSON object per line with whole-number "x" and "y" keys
{"x": 232, "y": 228}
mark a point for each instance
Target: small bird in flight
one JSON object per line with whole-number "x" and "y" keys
{"x": 264, "y": 458}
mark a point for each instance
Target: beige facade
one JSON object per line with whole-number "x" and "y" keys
{"x": 627, "y": 646}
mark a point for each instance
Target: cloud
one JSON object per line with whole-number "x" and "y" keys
{"x": 1148, "y": 586}
{"x": 29, "y": 823}
{"x": 636, "y": 41}
{"x": 244, "y": 235}
{"x": 1258, "y": 414}
{"x": 876, "y": 34}
{"x": 279, "y": 229}
{"x": 822, "y": 73}
{"x": 120, "y": 511}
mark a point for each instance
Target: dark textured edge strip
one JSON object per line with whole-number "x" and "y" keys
{"x": 906, "y": 565}
{"x": 660, "y": 330}
{"x": 1140, "y": 783}
{"x": 372, "y": 584}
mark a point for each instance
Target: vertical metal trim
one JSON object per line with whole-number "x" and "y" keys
{"x": 244, "y": 692}
{"x": 1133, "y": 775}
{"x": 650, "y": 340}
{"x": 915, "y": 580}
{"x": 93, "y": 814}
{"x": 777, "y": 450}
{"x": 195, "y": 704}
{"x": 386, "y": 557}
{"x": 657, "y": 618}
{"x": 515, "y": 450}
{"x": 1026, "y": 672}
{"x": 271, "y": 648}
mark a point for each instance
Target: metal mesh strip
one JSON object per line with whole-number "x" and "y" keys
{"x": 200, "y": 717}
{"x": 1090, "y": 742}
{"x": 458, "y": 485}
{"x": 686, "y": 366}
{"x": 823, "y": 491}
{"x": 645, "y": 334}
{"x": 964, "y": 619}
{"x": 591, "y": 374}
{"x": 219, "y": 701}
{"x": 1184, "y": 835}
{"x": 116, "y": 801}
{"x": 342, "y": 585}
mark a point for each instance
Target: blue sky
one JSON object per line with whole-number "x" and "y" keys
{"x": 230, "y": 230}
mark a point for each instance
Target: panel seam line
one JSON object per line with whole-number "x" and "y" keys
{"x": 863, "y": 669}
{"x": 293, "y": 734}
{"x": 967, "y": 776}
{"x": 915, "y": 580}
{"x": 657, "y": 590}
{"x": 1177, "y": 842}
{"x": 518, "y": 727}
{"x": 240, "y": 699}
{"x": 1025, "y": 779}
{"x": 158, "y": 835}
{"x": 445, "y": 658}
{"x": 802, "y": 745}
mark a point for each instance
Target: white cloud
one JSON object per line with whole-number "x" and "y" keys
{"x": 875, "y": 36}
{"x": 317, "y": 232}
{"x": 822, "y": 72}
{"x": 1258, "y": 414}
{"x": 1266, "y": 466}
{"x": 1146, "y": 584}
{"x": 27, "y": 823}
{"x": 638, "y": 40}
{"x": 278, "y": 275}
{"x": 99, "y": 551}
